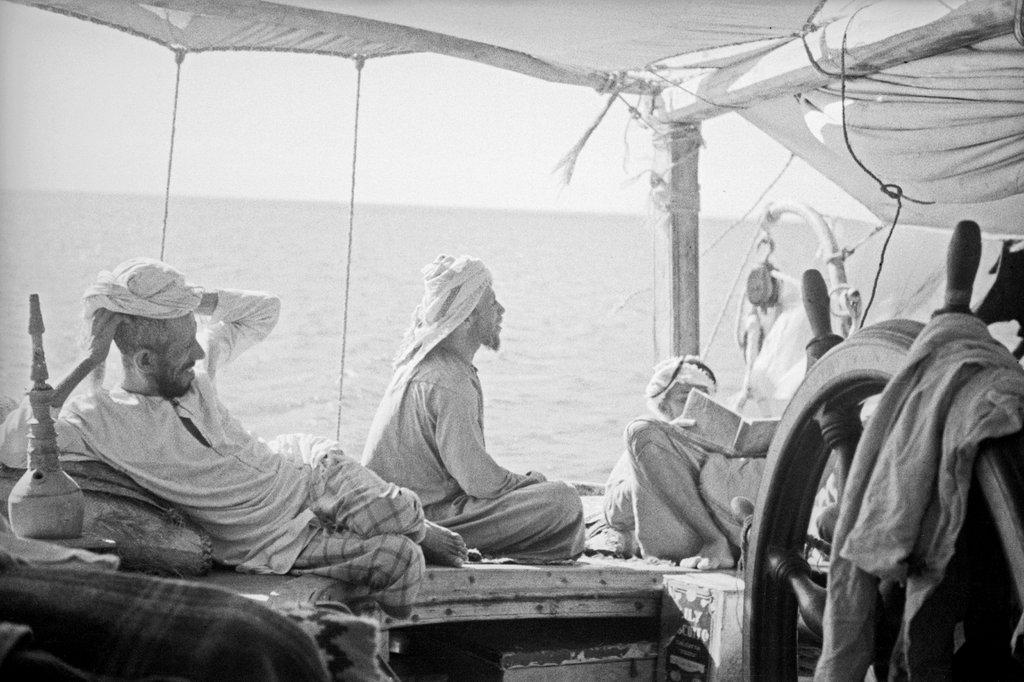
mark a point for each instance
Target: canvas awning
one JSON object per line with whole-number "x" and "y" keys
{"x": 557, "y": 40}
{"x": 934, "y": 95}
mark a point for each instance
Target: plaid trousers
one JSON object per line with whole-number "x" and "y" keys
{"x": 369, "y": 533}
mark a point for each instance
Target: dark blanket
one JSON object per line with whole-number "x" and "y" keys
{"x": 120, "y": 625}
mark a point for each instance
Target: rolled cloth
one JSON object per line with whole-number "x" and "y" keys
{"x": 452, "y": 288}
{"x": 144, "y": 287}
{"x": 682, "y": 369}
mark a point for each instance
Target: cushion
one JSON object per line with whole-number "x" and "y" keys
{"x": 152, "y": 536}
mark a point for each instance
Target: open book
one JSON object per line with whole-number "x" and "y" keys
{"x": 723, "y": 430}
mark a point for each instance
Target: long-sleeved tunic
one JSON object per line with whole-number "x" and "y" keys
{"x": 428, "y": 436}
{"x": 259, "y": 501}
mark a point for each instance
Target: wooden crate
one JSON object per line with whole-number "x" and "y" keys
{"x": 701, "y": 627}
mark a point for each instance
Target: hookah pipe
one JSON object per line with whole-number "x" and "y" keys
{"x": 46, "y": 503}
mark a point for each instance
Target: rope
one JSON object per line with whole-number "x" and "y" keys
{"x": 889, "y": 189}
{"x": 359, "y": 61}
{"x": 633, "y": 110}
{"x": 179, "y": 57}
{"x": 743, "y": 263}
{"x": 847, "y": 252}
{"x": 881, "y": 262}
{"x": 567, "y": 164}
{"x": 732, "y": 290}
{"x": 695, "y": 95}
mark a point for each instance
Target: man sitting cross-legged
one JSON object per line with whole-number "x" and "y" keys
{"x": 296, "y": 503}
{"x": 428, "y": 432}
{"x": 668, "y": 494}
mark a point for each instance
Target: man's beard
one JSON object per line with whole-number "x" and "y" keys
{"x": 172, "y": 383}
{"x": 489, "y": 338}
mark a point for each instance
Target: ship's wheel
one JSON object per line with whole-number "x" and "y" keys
{"x": 820, "y": 428}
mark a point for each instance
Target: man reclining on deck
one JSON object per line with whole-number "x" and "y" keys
{"x": 295, "y": 503}
{"x": 428, "y": 433}
{"x": 667, "y": 493}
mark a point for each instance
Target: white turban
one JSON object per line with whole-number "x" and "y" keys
{"x": 144, "y": 287}
{"x": 679, "y": 370}
{"x": 452, "y": 289}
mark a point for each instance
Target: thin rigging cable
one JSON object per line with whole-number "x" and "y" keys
{"x": 695, "y": 95}
{"x": 750, "y": 210}
{"x": 847, "y": 252}
{"x": 359, "y": 61}
{"x": 732, "y": 290}
{"x": 179, "y": 57}
{"x": 891, "y": 190}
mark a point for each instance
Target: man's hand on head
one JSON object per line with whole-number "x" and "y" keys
{"x": 104, "y": 325}
{"x": 208, "y": 304}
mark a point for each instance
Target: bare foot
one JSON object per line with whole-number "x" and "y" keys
{"x": 443, "y": 547}
{"x": 711, "y": 557}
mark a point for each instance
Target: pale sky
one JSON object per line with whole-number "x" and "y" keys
{"x": 87, "y": 108}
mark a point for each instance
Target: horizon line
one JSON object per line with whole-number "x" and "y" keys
{"x": 645, "y": 214}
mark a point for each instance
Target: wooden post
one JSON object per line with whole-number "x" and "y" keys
{"x": 676, "y": 270}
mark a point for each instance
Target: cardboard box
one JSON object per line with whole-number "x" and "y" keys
{"x": 701, "y": 627}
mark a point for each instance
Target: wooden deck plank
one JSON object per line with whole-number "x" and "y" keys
{"x": 517, "y": 608}
{"x": 584, "y": 589}
{"x": 589, "y": 588}
{"x": 483, "y": 580}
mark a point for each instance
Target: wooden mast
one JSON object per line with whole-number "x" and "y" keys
{"x": 676, "y": 240}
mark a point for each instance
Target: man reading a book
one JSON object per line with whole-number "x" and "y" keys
{"x": 668, "y": 496}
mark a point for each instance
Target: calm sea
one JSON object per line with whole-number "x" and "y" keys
{"x": 577, "y": 345}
